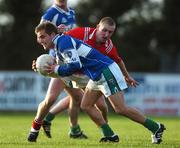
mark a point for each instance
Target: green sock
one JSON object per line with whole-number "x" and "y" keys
{"x": 49, "y": 117}
{"x": 106, "y": 130}
{"x": 151, "y": 125}
{"x": 75, "y": 130}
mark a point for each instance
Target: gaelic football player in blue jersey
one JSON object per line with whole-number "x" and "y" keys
{"x": 64, "y": 17}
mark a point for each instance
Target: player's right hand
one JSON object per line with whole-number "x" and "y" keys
{"x": 61, "y": 28}
{"x": 131, "y": 82}
{"x": 34, "y": 65}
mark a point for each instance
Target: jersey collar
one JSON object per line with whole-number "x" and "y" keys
{"x": 61, "y": 10}
{"x": 92, "y": 36}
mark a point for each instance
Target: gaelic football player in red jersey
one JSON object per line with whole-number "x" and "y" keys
{"x": 99, "y": 38}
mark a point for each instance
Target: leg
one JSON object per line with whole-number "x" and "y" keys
{"x": 74, "y": 107}
{"x": 102, "y": 106}
{"x": 55, "y": 87}
{"x": 59, "y": 107}
{"x": 62, "y": 105}
{"x": 88, "y": 105}
{"x": 120, "y": 107}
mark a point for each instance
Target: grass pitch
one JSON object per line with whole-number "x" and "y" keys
{"x": 14, "y": 128}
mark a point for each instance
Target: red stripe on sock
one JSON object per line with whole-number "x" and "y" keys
{"x": 36, "y": 125}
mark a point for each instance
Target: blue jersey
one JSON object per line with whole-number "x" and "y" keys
{"x": 79, "y": 57}
{"x": 58, "y": 16}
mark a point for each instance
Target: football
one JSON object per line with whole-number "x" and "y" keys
{"x": 42, "y": 61}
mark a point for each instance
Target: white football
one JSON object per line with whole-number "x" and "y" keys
{"x": 42, "y": 61}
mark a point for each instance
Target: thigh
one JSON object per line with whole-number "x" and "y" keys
{"x": 90, "y": 97}
{"x": 101, "y": 101}
{"x": 117, "y": 100}
{"x": 74, "y": 93}
{"x": 56, "y": 86}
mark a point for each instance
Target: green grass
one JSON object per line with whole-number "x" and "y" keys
{"x": 14, "y": 128}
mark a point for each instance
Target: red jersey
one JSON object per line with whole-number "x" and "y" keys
{"x": 88, "y": 35}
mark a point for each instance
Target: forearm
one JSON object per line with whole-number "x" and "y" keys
{"x": 128, "y": 78}
{"x": 123, "y": 69}
{"x": 67, "y": 69}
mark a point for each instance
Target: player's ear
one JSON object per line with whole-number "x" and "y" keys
{"x": 53, "y": 34}
{"x": 97, "y": 26}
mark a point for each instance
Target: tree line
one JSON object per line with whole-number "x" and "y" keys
{"x": 147, "y": 35}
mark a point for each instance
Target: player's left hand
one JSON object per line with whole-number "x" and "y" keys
{"x": 50, "y": 69}
{"x": 131, "y": 82}
{"x": 61, "y": 28}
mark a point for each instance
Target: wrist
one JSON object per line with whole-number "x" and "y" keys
{"x": 56, "y": 69}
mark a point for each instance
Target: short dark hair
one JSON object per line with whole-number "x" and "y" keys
{"x": 108, "y": 20}
{"x": 47, "y": 26}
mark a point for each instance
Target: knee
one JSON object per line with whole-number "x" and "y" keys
{"x": 103, "y": 107}
{"x": 75, "y": 102}
{"x": 121, "y": 110}
{"x": 77, "y": 99}
{"x": 85, "y": 108}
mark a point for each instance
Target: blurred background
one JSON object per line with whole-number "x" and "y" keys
{"x": 147, "y": 38}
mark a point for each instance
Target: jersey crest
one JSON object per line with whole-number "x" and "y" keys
{"x": 64, "y": 20}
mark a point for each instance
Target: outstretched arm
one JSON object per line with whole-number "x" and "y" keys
{"x": 130, "y": 81}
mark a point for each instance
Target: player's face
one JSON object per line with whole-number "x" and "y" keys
{"x": 61, "y": 3}
{"x": 45, "y": 39}
{"x": 104, "y": 32}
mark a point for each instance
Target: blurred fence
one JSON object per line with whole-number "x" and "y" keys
{"x": 22, "y": 90}
{"x": 157, "y": 94}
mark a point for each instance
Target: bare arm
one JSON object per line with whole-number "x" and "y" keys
{"x": 130, "y": 81}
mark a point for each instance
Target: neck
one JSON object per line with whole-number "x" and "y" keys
{"x": 64, "y": 7}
